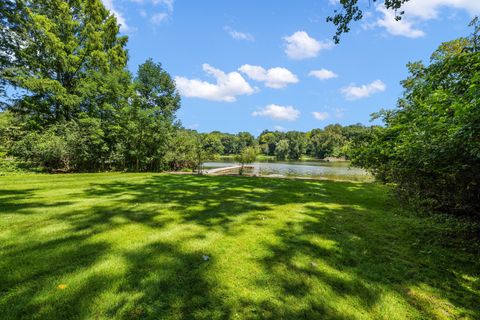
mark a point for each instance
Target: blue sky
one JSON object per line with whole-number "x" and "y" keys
{"x": 255, "y": 65}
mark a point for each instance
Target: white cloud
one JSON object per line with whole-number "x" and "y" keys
{"x": 158, "y": 18}
{"x": 237, "y": 35}
{"x": 402, "y": 27}
{"x": 273, "y": 78}
{"x": 301, "y": 46}
{"x": 120, "y": 18}
{"x": 417, "y": 11}
{"x": 278, "y": 128}
{"x": 166, "y": 3}
{"x": 277, "y": 112}
{"x": 353, "y": 92}
{"x": 323, "y": 74}
{"x": 321, "y": 115}
{"x": 427, "y": 10}
{"x": 227, "y": 87}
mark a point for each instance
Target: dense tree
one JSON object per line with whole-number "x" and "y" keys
{"x": 281, "y": 149}
{"x": 149, "y": 120}
{"x": 213, "y": 143}
{"x": 9, "y": 20}
{"x": 245, "y": 139}
{"x": 182, "y": 152}
{"x": 74, "y": 145}
{"x": 156, "y": 91}
{"x": 296, "y": 144}
{"x": 229, "y": 143}
{"x": 76, "y": 106}
{"x": 66, "y": 62}
{"x": 56, "y": 52}
{"x": 430, "y": 147}
{"x": 327, "y": 142}
{"x": 5, "y": 123}
{"x": 267, "y": 141}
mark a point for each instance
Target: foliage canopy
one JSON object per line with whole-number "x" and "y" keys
{"x": 430, "y": 146}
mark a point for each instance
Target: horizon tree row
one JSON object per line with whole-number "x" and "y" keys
{"x": 334, "y": 140}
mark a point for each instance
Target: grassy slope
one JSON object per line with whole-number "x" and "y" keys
{"x": 130, "y": 246}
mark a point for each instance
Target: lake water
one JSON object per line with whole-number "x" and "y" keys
{"x": 316, "y": 169}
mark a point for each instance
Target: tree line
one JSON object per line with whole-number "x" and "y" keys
{"x": 332, "y": 141}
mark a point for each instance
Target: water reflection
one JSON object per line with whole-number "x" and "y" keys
{"x": 302, "y": 169}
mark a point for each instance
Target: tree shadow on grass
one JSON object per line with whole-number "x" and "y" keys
{"x": 160, "y": 281}
{"x": 201, "y": 201}
{"x": 374, "y": 251}
{"x": 32, "y": 272}
{"x": 346, "y": 246}
{"x": 207, "y": 201}
{"x": 17, "y": 201}
{"x": 375, "y": 255}
{"x": 168, "y": 282}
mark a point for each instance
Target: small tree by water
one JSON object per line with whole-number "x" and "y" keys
{"x": 247, "y": 155}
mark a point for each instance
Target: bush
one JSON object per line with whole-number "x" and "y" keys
{"x": 72, "y": 146}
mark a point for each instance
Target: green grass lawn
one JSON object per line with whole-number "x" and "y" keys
{"x": 128, "y": 246}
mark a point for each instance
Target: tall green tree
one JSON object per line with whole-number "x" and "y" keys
{"x": 149, "y": 122}
{"x": 53, "y": 51}
{"x": 9, "y": 20}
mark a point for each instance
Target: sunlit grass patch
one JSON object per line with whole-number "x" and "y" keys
{"x": 179, "y": 246}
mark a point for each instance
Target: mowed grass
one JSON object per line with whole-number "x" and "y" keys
{"x": 154, "y": 246}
